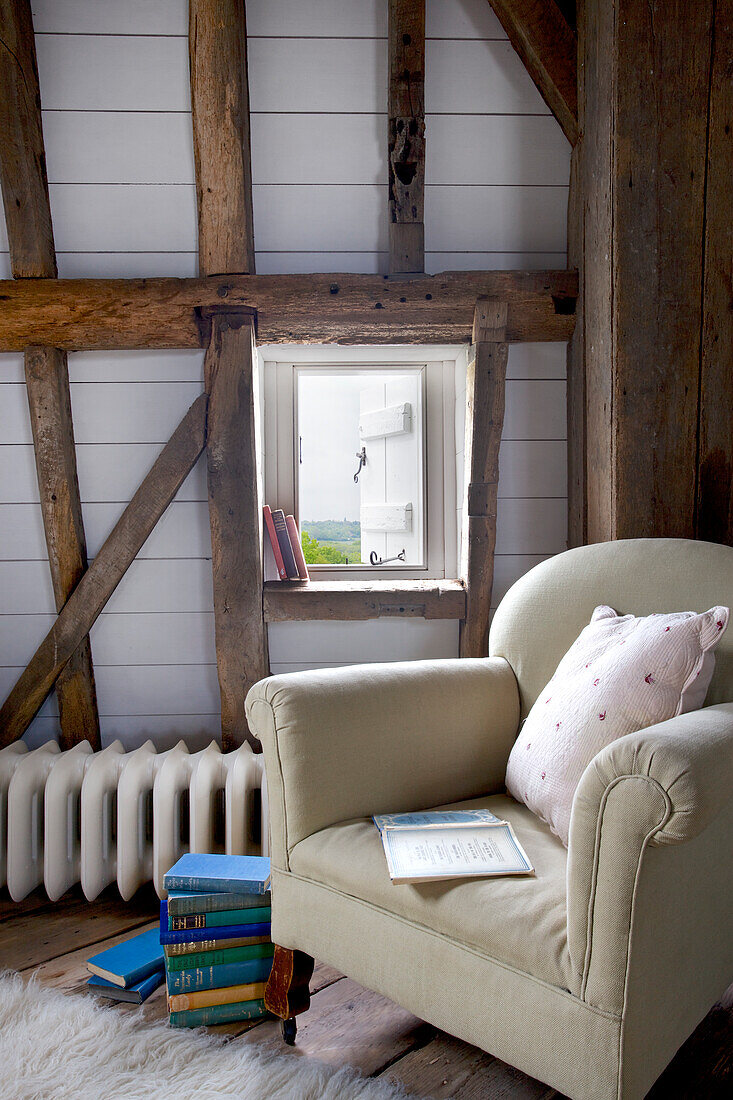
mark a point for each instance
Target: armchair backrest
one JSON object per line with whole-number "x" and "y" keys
{"x": 545, "y": 611}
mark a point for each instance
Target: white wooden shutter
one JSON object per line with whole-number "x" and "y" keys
{"x": 390, "y": 427}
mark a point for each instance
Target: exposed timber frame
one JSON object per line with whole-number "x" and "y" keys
{"x": 547, "y": 45}
{"x": 86, "y": 602}
{"x": 220, "y": 104}
{"x": 485, "y": 392}
{"x": 406, "y": 136}
{"x": 32, "y": 254}
{"x": 102, "y": 314}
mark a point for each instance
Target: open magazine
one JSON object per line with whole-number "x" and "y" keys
{"x": 444, "y": 844}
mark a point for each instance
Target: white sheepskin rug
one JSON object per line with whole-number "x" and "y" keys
{"x": 56, "y": 1046}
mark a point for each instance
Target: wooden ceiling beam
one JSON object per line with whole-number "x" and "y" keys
{"x": 124, "y": 314}
{"x": 548, "y": 47}
{"x": 221, "y": 144}
{"x": 406, "y": 135}
{"x": 32, "y": 255}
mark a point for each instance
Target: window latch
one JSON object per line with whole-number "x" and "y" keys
{"x": 374, "y": 560}
{"x": 361, "y": 455}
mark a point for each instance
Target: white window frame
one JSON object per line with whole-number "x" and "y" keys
{"x": 280, "y": 365}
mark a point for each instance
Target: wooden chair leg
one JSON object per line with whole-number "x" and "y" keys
{"x": 287, "y": 993}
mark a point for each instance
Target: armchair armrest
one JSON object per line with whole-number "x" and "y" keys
{"x": 349, "y": 742}
{"x": 664, "y": 785}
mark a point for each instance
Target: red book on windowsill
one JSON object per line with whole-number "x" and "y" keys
{"x": 297, "y": 547}
{"x": 277, "y": 554}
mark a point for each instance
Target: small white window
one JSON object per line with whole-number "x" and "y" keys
{"x": 359, "y": 445}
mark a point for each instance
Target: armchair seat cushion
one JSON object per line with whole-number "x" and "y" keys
{"x": 518, "y": 921}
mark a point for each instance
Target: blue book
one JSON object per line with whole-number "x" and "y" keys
{"x": 131, "y": 961}
{"x": 184, "y": 903}
{"x": 235, "y": 874}
{"x": 135, "y": 994}
{"x": 218, "y": 1014}
{"x": 226, "y": 932}
{"x": 219, "y": 977}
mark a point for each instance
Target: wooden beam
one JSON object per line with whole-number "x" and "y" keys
{"x": 32, "y": 255}
{"x": 406, "y": 135}
{"x": 359, "y": 600}
{"x": 101, "y": 314}
{"x": 644, "y": 158}
{"x": 47, "y": 382}
{"x": 22, "y": 157}
{"x": 485, "y": 389}
{"x": 85, "y": 603}
{"x": 714, "y": 521}
{"x": 545, "y": 42}
{"x": 236, "y": 518}
{"x": 221, "y": 145}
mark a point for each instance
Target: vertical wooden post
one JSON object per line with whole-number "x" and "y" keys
{"x": 715, "y": 457}
{"x": 32, "y": 255}
{"x": 220, "y": 105}
{"x": 235, "y": 515}
{"x": 47, "y": 381}
{"x": 406, "y": 136}
{"x": 646, "y": 101}
{"x": 485, "y": 390}
{"x": 220, "y": 109}
{"x": 577, "y": 447}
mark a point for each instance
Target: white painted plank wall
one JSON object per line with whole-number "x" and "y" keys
{"x": 114, "y": 83}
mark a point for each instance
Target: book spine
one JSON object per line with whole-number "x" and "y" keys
{"x": 219, "y": 1014}
{"x": 187, "y": 903}
{"x": 219, "y": 957}
{"x": 218, "y": 920}
{"x": 218, "y": 977}
{"x": 297, "y": 548}
{"x": 230, "y": 932}
{"x": 281, "y": 530}
{"x": 203, "y": 885}
{"x": 272, "y": 534}
{"x": 184, "y": 1002}
{"x": 192, "y": 947}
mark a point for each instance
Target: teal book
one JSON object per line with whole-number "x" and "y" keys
{"x": 202, "y": 959}
{"x": 218, "y": 977}
{"x": 218, "y": 1014}
{"x": 219, "y": 920}
{"x": 234, "y": 874}
{"x": 129, "y": 962}
{"x": 135, "y": 994}
{"x": 183, "y": 903}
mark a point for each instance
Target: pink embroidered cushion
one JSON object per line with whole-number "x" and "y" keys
{"x": 622, "y": 674}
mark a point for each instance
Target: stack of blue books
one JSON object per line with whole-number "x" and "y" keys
{"x": 131, "y": 971}
{"x": 215, "y": 932}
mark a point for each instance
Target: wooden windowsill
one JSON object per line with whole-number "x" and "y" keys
{"x": 290, "y": 601}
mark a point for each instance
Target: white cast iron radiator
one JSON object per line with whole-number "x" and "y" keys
{"x": 97, "y": 817}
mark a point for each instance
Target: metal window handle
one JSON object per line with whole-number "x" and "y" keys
{"x": 374, "y": 560}
{"x": 361, "y": 455}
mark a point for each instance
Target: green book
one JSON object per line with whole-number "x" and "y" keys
{"x": 218, "y": 1014}
{"x": 220, "y": 919}
{"x": 183, "y": 902}
{"x": 202, "y": 959}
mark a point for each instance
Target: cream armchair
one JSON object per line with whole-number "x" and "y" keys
{"x": 588, "y": 976}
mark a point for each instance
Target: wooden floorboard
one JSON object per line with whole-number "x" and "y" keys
{"x": 346, "y": 1023}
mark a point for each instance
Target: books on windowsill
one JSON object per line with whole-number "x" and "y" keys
{"x": 437, "y": 845}
{"x": 284, "y": 541}
{"x": 215, "y": 931}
